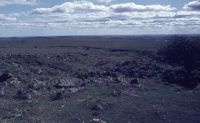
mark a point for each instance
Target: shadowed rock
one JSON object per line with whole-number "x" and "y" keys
{"x": 24, "y": 94}
{"x": 5, "y": 76}
{"x": 58, "y": 96}
{"x": 134, "y": 82}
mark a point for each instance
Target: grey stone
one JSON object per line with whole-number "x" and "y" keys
{"x": 69, "y": 83}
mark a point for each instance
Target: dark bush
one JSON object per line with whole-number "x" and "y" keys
{"x": 181, "y": 77}
{"x": 182, "y": 52}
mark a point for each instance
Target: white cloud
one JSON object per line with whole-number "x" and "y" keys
{"x": 193, "y": 5}
{"x": 72, "y": 7}
{"x": 131, "y": 7}
{"x": 105, "y": 1}
{"x": 86, "y": 6}
{"x": 6, "y": 2}
{"x": 91, "y": 14}
{"x": 6, "y": 18}
{"x": 88, "y": 15}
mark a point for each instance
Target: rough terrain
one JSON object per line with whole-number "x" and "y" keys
{"x": 90, "y": 80}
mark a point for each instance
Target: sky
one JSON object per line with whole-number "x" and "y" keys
{"x": 98, "y": 17}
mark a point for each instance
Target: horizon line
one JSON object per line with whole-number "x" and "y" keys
{"x": 37, "y": 36}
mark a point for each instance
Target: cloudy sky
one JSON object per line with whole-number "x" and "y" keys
{"x": 98, "y": 17}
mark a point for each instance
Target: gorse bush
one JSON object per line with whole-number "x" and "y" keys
{"x": 183, "y": 52}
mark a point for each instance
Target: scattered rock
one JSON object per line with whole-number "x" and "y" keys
{"x": 36, "y": 84}
{"x": 97, "y": 107}
{"x": 36, "y": 70}
{"x": 69, "y": 83}
{"x": 74, "y": 90}
{"x": 134, "y": 82}
{"x": 2, "y": 91}
{"x": 128, "y": 63}
{"x": 15, "y": 82}
{"x": 84, "y": 54}
{"x": 76, "y": 120}
{"x": 95, "y": 113}
{"x": 102, "y": 80}
{"x": 115, "y": 93}
{"x": 120, "y": 79}
{"x": 24, "y": 94}
{"x": 58, "y": 96}
{"x": 82, "y": 84}
{"x": 16, "y": 113}
{"x": 96, "y": 120}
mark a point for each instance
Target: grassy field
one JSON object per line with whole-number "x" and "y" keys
{"x": 90, "y": 79}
